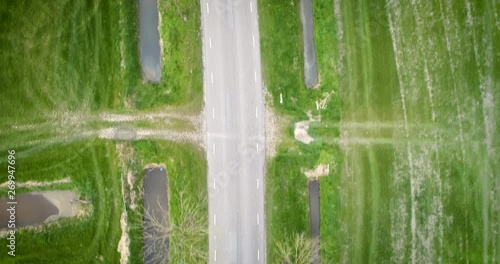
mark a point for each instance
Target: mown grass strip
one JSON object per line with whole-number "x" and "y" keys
{"x": 182, "y": 73}
{"x": 91, "y": 167}
{"x": 286, "y": 185}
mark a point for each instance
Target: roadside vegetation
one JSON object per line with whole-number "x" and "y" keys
{"x": 186, "y": 169}
{"x": 286, "y": 185}
{"x": 65, "y": 64}
{"x": 182, "y": 66}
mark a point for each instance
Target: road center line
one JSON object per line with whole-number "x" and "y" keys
{"x": 208, "y": 9}
{"x": 212, "y": 76}
{"x": 251, "y": 7}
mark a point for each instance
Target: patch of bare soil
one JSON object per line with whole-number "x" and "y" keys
{"x": 300, "y": 132}
{"x": 30, "y": 184}
{"x": 319, "y": 171}
{"x": 301, "y": 129}
{"x": 274, "y": 125}
{"x": 154, "y": 166}
{"x": 123, "y": 245}
{"x": 66, "y": 201}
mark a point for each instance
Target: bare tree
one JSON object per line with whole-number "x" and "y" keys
{"x": 184, "y": 234}
{"x": 156, "y": 234}
{"x": 189, "y": 231}
{"x": 297, "y": 249}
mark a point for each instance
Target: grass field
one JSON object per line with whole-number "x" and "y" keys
{"x": 415, "y": 150}
{"x": 64, "y": 64}
{"x": 420, "y": 93}
{"x": 91, "y": 166}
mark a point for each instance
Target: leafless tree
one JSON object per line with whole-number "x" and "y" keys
{"x": 297, "y": 249}
{"x": 189, "y": 231}
{"x": 185, "y": 234}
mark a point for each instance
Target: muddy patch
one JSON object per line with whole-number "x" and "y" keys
{"x": 40, "y": 207}
{"x": 301, "y": 129}
{"x": 319, "y": 171}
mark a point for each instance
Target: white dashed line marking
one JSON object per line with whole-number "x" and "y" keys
{"x": 215, "y": 219}
{"x": 257, "y": 219}
{"x": 253, "y": 40}
{"x": 213, "y": 147}
{"x": 255, "y": 76}
{"x": 257, "y": 183}
{"x": 256, "y": 113}
{"x": 213, "y": 113}
{"x": 208, "y": 9}
{"x": 258, "y": 254}
{"x": 215, "y": 254}
{"x": 212, "y": 77}
{"x": 251, "y": 7}
{"x": 257, "y": 147}
{"x": 210, "y": 42}
{"x": 214, "y": 183}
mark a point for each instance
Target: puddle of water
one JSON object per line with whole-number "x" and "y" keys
{"x": 31, "y": 209}
{"x": 149, "y": 41}
{"x": 155, "y": 206}
{"x": 314, "y": 215}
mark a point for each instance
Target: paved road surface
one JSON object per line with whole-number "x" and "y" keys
{"x": 234, "y": 114}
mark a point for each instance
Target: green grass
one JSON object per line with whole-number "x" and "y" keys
{"x": 63, "y": 56}
{"x": 187, "y": 169}
{"x": 92, "y": 169}
{"x": 282, "y": 64}
{"x": 286, "y": 185}
{"x": 182, "y": 69}
{"x": 419, "y": 153}
{"x": 64, "y": 63}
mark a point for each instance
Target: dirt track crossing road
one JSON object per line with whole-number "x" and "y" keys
{"x": 235, "y": 131}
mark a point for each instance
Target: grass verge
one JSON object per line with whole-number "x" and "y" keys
{"x": 187, "y": 171}
{"x": 281, "y": 49}
{"x": 182, "y": 68}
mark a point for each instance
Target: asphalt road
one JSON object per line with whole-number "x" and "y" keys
{"x": 234, "y": 115}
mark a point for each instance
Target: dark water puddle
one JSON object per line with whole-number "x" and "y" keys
{"x": 310, "y": 63}
{"x": 314, "y": 217}
{"x": 149, "y": 41}
{"x": 31, "y": 209}
{"x": 155, "y": 205}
